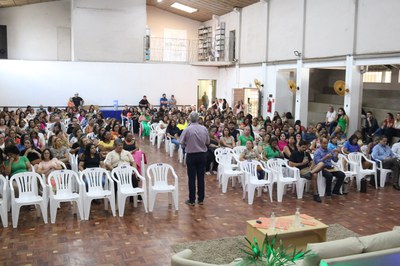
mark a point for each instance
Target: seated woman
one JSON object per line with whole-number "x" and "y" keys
{"x": 106, "y": 144}
{"x": 32, "y": 153}
{"x": 387, "y": 128}
{"x": 264, "y": 143}
{"x": 15, "y": 163}
{"x": 242, "y": 139}
{"x": 214, "y": 144}
{"x": 351, "y": 145}
{"x": 144, "y": 120}
{"x": 59, "y": 151}
{"x": 130, "y": 143}
{"x": 226, "y": 139}
{"x": 272, "y": 151}
{"x": 182, "y": 124}
{"x": 290, "y": 147}
{"x": 173, "y": 132}
{"x": 91, "y": 158}
{"x": 282, "y": 142}
{"x": 249, "y": 153}
{"x": 48, "y": 163}
{"x": 342, "y": 122}
{"x": 162, "y": 126}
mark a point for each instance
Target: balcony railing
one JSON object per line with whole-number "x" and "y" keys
{"x": 185, "y": 50}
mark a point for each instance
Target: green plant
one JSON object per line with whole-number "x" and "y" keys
{"x": 270, "y": 253}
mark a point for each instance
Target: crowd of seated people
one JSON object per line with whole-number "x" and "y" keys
{"x": 44, "y": 139}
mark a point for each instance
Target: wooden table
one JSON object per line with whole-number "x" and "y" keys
{"x": 299, "y": 237}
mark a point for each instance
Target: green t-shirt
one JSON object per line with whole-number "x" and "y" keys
{"x": 243, "y": 140}
{"x": 18, "y": 167}
{"x": 270, "y": 153}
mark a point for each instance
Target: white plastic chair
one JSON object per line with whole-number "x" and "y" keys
{"x": 238, "y": 150}
{"x": 94, "y": 177}
{"x": 4, "y": 201}
{"x": 28, "y": 194}
{"x": 160, "y": 136}
{"x": 342, "y": 160}
{"x": 157, "y": 175}
{"x": 354, "y": 159}
{"x": 226, "y": 169}
{"x": 276, "y": 167}
{"x": 251, "y": 181}
{"x": 123, "y": 177}
{"x": 73, "y": 161}
{"x": 383, "y": 172}
{"x": 63, "y": 191}
{"x": 153, "y": 133}
{"x": 396, "y": 149}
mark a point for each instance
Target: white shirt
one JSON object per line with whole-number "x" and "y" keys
{"x": 330, "y": 117}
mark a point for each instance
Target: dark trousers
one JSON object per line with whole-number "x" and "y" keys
{"x": 394, "y": 165}
{"x": 211, "y": 159}
{"x": 196, "y": 164}
{"x": 329, "y": 176}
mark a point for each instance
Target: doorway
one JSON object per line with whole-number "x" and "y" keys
{"x": 206, "y": 91}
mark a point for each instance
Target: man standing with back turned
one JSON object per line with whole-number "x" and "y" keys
{"x": 195, "y": 139}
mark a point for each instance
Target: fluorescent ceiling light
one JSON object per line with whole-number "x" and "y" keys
{"x": 185, "y": 8}
{"x": 159, "y": 1}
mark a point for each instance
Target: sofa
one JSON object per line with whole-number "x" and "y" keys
{"x": 183, "y": 258}
{"x": 378, "y": 249}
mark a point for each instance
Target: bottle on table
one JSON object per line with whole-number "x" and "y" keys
{"x": 272, "y": 221}
{"x": 297, "y": 221}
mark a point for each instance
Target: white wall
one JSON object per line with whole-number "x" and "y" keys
{"x": 38, "y": 31}
{"x": 329, "y": 28}
{"x": 52, "y": 83}
{"x": 110, "y": 31}
{"x": 253, "y": 36}
{"x": 158, "y": 20}
{"x": 285, "y": 32}
{"x": 232, "y": 22}
{"x": 378, "y": 26}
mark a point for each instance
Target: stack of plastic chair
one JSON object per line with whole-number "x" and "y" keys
{"x": 157, "y": 175}
{"x": 226, "y": 169}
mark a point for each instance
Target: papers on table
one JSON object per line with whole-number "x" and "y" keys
{"x": 284, "y": 223}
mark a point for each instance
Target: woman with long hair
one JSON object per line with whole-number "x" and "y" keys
{"x": 342, "y": 122}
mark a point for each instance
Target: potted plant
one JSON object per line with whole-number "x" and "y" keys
{"x": 270, "y": 253}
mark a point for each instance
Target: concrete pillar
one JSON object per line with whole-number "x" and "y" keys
{"x": 302, "y": 81}
{"x": 353, "y": 98}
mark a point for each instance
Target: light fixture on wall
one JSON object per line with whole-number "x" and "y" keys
{"x": 185, "y": 8}
{"x": 159, "y": 1}
{"x": 297, "y": 54}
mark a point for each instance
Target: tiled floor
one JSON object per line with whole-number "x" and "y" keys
{"x": 145, "y": 239}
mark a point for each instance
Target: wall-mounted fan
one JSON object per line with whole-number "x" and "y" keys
{"x": 258, "y": 84}
{"x": 340, "y": 87}
{"x": 292, "y": 86}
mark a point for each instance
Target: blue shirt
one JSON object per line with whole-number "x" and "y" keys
{"x": 380, "y": 152}
{"x": 309, "y": 136}
{"x": 350, "y": 147}
{"x": 320, "y": 153}
{"x": 332, "y": 146}
{"x": 163, "y": 102}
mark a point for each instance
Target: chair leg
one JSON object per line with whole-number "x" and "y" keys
{"x": 152, "y": 199}
{"x": 43, "y": 208}
{"x": 300, "y": 189}
{"x": 225, "y": 180}
{"x": 280, "y": 187}
{"x": 86, "y": 208}
{"x": 321, "y": 184}
{"x": 112, "y": 204}
{"x": 175, "y": 196}
{"x": 15, "y": 215}
{"x": 251, "y": 191}
{"x": 145, "y": 201}
{"x": 79, "y": 204}
{"x": 270, "y": 188}
{"x": 53, "y": 211}
{"x": 121, "y": 205}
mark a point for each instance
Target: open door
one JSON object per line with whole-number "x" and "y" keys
{"x": 206, "y": 91}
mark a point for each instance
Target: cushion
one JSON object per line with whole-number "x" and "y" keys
{"x": 396, "y": 228}
{"x": 332, "y": 249}
{"x": 381, "y": 241}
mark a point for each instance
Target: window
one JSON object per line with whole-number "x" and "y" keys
{"x": 377, "y": 76}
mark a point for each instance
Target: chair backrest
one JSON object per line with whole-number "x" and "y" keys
{"x": 73, "y": 161}
{"x": 158, "y": 174}
{"x": 27, "y": 184}
{"x": 249, "y": 168}
{"x": 94, "y": 177}
{"x": 62, "y": 181}
{"x": 276, "y": 166}
{"x": 153, "y": 127}
{"x": 3, "y": 188}
{"x": 364, "y": 149}
{"x": 224, "y": 156}
{"x": 355, "y": 157}
{"x": 239, "y": 150}
{"x": 123, "y": 175}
